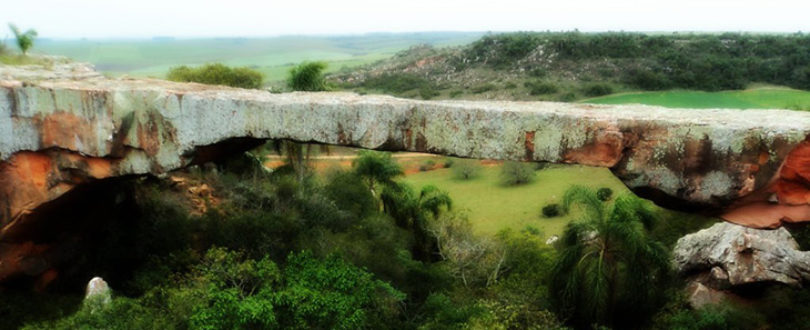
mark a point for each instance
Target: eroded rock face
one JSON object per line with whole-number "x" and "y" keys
{"x": 61, "y": 130}
{"x": 66, "y": 126}
{"x": 737, "y": 255}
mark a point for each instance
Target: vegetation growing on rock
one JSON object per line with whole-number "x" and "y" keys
{"x": 217, "y": 74}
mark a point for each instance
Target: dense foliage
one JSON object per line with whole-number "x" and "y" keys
{"x": 654, "y": 62}
{"x": 465, "y": 169}
{"x": 308, "y": 77}
{"x": 610, "y": 271}
{"x": 25, "y": 40}
{"x": 358, "y": 249}
{"x": 515, "y": 173}
{"x": 217, "y": 74}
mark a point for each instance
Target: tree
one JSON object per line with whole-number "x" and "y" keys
{"x": 376, "y": 168}
{"x": 472, "y": 259}
{"x": 308, "y": 77}
{"x": 24, "y": 39}
{"x": 609, "y": 270}
{"x": 417, "y": 213}
{"x": 466, "y": 169}
{"x": 515, "y": 173}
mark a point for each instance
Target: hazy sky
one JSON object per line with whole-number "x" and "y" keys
{"x": 200, "y": 18}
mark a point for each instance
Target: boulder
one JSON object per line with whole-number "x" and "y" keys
{"x": 98, "y": 294}
{"x": 737, "y": 255}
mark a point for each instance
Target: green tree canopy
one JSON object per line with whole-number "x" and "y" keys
{"x": 609, "y": 271}
{"x": 25, "y": 40}
{"x": 308, "y": 77}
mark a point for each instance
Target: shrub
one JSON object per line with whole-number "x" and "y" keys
{"x": 482, "y": 88}
{"x": 428, "y": 92}
{"x": 551, "y": 210}
{"x": 604, "y": 194}
{"x": 466, "y": 169}
{"x": 217, "y": 74}
{"x": 597, "y": 89}
{"x": 648, "y": 80}
{"x": 397, "y": 83}
{"x": 568, "y": 97}
{"x": 540, "y": 87}
{"x": 515, "y": 173}
{"x": 427, "y": 165}
{"x": 538, "y": 73}
{"x": 24, "y": 39}
{"x": 308, "y": 77}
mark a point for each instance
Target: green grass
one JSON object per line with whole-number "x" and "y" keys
{"x": 492, "y": 207}
{"x": 757, "y": 98}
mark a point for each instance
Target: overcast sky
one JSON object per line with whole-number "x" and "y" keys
{"x": 206, "y": 18}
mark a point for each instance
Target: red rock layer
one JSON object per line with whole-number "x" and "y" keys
{"x": 785, "y": 199}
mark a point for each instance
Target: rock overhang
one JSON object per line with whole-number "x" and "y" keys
{"x": 63, "y": 129}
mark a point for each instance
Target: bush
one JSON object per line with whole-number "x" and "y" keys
{"x": 466, "y": 169}
{"x": 597, "y": 89}
{"x": 538, "y": 73}
{"x": 515, "y": 173}
{"x": 552, "y": 210}
{"x": 308, "y": 77}
{"x": 217, "y": 74}
{"x": 604, "y": 194}
{"x": 397, "y": 83}
{"x": 427, "y": 165}
{"x": 482, "y": 88}
{"x": 428, "y": 92}
{"x": 541, "y": 88}
{"x": 568, "y": 97}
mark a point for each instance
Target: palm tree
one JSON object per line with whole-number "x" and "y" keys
{"x": 608, "y": 270}
{"x": 377, "y": 169}
{"x": 24, "y": 39}
{"x": 307, "y": 76}
{"x": 413, "y": 213}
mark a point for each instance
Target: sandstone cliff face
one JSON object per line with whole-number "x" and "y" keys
{"x": 65, "y": 126}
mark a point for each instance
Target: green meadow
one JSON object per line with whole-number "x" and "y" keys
{"x": 492, "y": 206}
{"x": 754, "y": 98}
{"x": 272, "y": 56}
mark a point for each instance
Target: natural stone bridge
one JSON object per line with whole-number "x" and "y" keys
{"x": 67, "y": 126}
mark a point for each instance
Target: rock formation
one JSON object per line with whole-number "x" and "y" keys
{"x": 727, "y": 255}
{"x": 740, "y": 255}
{"x": 66, "y": 126}
{"x": 98, "y": 294}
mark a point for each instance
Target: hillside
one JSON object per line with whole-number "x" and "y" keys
{"x": 572, "y": 66}
{"x": 272, "y": 56}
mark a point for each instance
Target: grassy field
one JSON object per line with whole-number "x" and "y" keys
{"x": 755, "y": 98}
{"x": 272, "y": 56}
{"x": 492, "y": 206}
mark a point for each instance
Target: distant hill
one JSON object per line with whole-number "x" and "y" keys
{"x": 272, "y": 56}
{"x": 573, "y": 65}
